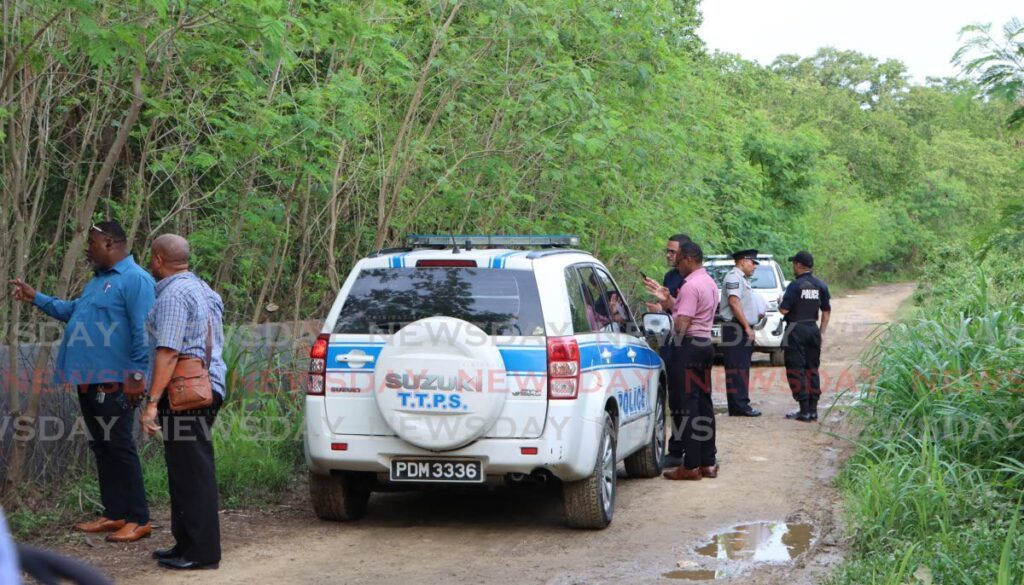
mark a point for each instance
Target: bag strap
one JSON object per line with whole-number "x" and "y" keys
{"x": 209, "y": 344}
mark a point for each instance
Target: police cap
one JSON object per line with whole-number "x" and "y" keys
{"x": 803, "y": 257}
{"x": 748, "y": 254}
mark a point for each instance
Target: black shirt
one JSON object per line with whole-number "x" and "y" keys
{"x": 804, "y": 297}
{"x": 673, "y": 281}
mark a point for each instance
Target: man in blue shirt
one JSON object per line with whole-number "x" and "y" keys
{"x": 186, "y": 323}
{"x": 672, "y": 281}
{"x": 103, "y": 347}
{"x": 9, "y": 572}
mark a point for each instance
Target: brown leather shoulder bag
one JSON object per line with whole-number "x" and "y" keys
{"x": 190, "y": 387}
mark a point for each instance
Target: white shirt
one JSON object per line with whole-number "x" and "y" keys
{"x": 736, "y": 284}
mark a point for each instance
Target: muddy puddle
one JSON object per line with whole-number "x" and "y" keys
{"x": 743, "y": 545}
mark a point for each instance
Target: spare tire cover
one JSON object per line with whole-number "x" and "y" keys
{"x": 443, "y": 383}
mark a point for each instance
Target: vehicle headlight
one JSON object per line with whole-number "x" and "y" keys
{"x": 773, "y": 305}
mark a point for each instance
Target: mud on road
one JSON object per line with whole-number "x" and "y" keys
{"x": 772, "y": 470}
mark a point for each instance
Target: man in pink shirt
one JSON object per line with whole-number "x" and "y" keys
{"x": 689, "y": 370}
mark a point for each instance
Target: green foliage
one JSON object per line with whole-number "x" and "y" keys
{"x": 938, "y": 474}
{"x": 257, "y": 445}
{"x": 997, "y": 64}
{"x": 287, "y": 140}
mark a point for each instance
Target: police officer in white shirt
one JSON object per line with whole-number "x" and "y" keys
{"x": 739, "y": 311}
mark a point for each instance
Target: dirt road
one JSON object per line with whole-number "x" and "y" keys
{"x": 772, "y": 470}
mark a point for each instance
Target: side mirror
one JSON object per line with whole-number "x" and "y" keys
{"x": 656, "y": 324}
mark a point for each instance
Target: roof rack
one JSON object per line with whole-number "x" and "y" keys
{"x": 491, "y": 241}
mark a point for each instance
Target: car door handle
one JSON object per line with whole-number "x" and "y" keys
{"x": 359, "y": 358}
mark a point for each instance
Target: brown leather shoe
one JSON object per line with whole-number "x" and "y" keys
{"x": 131, "y": 532}
{"x": 102, "y": 524}
{"x": 710, "y": 471}
{"x": 682, "y": 473}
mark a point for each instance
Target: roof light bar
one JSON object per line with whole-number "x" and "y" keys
{"x": 493, "y": 241}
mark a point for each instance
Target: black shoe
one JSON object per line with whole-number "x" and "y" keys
{"x": 794, "y": 415}
{"x": 806, "y": 417}
{"x": 183, "y": 565}
{"x": 670, "y": 460}
{"x": 167, "y": 553}
{"x": 751, "y": 413}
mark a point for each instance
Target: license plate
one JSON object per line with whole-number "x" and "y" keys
{"x": 716, "y": 332}
{"x": 437, "y": 470}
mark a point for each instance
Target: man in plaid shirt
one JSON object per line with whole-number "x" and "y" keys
{"x": 186, "y": 312}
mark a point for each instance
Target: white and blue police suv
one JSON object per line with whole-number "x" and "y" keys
{"x": 481, "y": 360}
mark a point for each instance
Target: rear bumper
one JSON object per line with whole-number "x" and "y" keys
{"x": 763, "y": 338}
{"x": 567, "y": 447}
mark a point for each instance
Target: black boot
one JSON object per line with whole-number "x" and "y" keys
{"x": 812, "y": 408}
{"x": 796, "y": 414}
{"x": 804, "y": 414}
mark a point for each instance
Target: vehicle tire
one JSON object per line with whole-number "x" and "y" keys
{"x": 590, "y": 502}
{"x": 778, "y": 358}
{"x": 338, "y": 498}
{"x": 647, "y": 461}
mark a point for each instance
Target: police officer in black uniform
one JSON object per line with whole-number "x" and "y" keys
{"x": 804, "y": 298}
{"x": 673, "y": 281}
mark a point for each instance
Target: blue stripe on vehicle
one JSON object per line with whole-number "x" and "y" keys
{"x": 517, "y": 360}
{"x": 505, "y": 260}
{"x": 618, "y": 367}
{"x": 499, "y": 260}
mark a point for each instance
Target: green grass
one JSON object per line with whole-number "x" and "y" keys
{"x": 257, "y": 444}
{"x": 934, "y": 491}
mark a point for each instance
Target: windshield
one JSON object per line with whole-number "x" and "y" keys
{"x": 501, "y": 302}
{"x": 764, "y": 275}
{"x": 718, "y": 272}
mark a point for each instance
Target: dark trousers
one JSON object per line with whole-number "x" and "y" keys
{"x": 737, "y": 351}
{"x": 675, "y": 402}
{"x": 188, "y": 450}
{"x": 110, "y": 420}
{"x": 802, "y": 343}
{"x": 693, "y": 414}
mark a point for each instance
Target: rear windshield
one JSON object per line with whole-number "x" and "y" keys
{"x": 501, "y": 302}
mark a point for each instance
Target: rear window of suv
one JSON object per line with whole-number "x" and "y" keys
{"x": 501, "y": 302}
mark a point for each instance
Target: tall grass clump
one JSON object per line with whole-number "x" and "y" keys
{"x": 935, "y": 488}
{"x": 257, "y": 434}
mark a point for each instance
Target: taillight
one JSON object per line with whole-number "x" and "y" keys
{"x": 563, "y": 368}
{"x": 318, "y": 366}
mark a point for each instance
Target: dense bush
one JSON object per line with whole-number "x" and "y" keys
{"x": 935, "y": 489}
